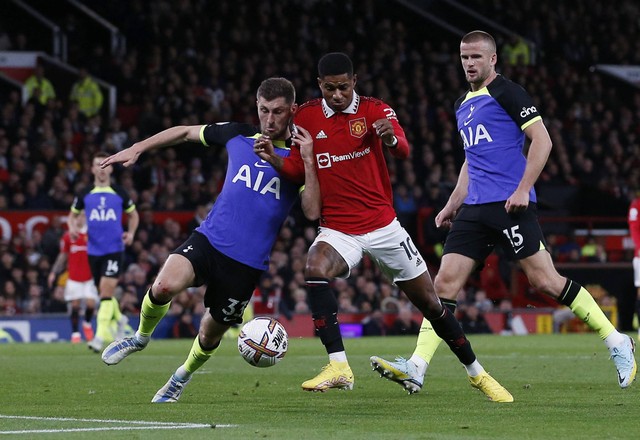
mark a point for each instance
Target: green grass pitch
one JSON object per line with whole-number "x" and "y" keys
{"x": 564, "y": 388}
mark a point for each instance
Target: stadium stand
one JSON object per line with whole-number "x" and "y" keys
{"x": 196, "y": 62}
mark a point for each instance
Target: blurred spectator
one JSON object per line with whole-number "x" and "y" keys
{"x": 300, "y": 301}
{"x": 561, "y": 316}
{"x": 506, "y": 308}
{"x": 481, "y": 301}
{"x": 86, "y": 93}
{"x": 345, "y": 303}
{"x": 473, "y": 320}
{"x": 373, "y": 324}
{"x": 198, "y": 216}
{"x": 183, "y": 327}
{"x": 491, "y": 280}
{"x": 593, "y": 251}
{"x": 266, "y": 296}
{"x": 406, "y": 207}
{"x": 404, "y": 323}
{"x": 38, "y": 87}
{"x": 516, "y": 51}
{"x": 10, "y": 298}
{"x": 569, "y": 250}
{"x": 129, "y": 302}
{"x": 56, "y": 302}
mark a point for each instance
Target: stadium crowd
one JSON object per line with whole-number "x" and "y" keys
{"x": 196, "y": 62}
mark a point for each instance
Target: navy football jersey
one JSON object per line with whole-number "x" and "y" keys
{"x": 491, "y": 123}
{"x": 255, "y": 200}
{"x": 103, "y": 207}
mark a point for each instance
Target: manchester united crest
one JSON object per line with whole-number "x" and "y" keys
{"x": 358, "y": 127}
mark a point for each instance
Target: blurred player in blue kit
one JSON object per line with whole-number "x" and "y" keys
{"x": 230, "y": 250}
{"x": 104, "y": 204}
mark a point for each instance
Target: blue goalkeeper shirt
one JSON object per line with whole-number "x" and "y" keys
{"x": 103, "y": 207}
{"x": 491, "y": 123}
{"x": 254, "y": 202}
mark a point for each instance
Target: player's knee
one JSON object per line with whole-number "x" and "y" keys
{"x": 316, "y": 270}
{"x": 445, "y": 288}
{"x": 165, "y": 288}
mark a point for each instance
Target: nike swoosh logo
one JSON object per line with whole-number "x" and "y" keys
{"x": 227, "y": 319}
{"x": 467, "y": 122}
{"x": 519, "y": 249}
{"x": 261, "y": 164}
{"x": 621, "y": 379}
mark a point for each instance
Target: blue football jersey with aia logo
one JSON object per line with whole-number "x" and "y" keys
{"x": 491, "y": 123}
{"x": 255, "y": 200}
{"x": 103, "y": 207}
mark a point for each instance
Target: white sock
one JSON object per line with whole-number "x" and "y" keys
{"x": 474, "y": 369}
{"x": 338, "y": 356}
{"x": 421, "y": 364}
{"x": 614, "y": 339}
{"x": 182, "y": 374}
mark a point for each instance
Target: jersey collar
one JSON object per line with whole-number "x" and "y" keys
{"x": 352, "y": 109}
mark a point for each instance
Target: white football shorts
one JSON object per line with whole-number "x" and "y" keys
{"x": 80, "y": 290}
{"x": 390, "y": 247}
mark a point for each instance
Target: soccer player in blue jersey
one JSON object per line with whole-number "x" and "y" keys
{"x": 494, "y": 204}
{"x": 104, "y": 205}
{"x": 230, "y": 249}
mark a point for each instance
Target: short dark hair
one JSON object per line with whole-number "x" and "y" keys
{"x": 335, "y": 63}
{"x": 272, "y": 88}
{"x": 476, "y": 36}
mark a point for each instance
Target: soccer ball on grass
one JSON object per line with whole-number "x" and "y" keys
{"x": 263, "y": 342}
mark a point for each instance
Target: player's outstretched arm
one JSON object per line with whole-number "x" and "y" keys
{"x": 170, "y": 136}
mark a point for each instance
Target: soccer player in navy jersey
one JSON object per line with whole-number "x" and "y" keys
{"x": 351, "y": 134}
{"x": 230, "y": 249}
{"x": 104, "y": 204}
{"x": 494, "y": 204}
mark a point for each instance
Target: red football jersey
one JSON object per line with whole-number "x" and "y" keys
{"x": 634, "y": 223}
{"x": 78, "y": 259}
{"x": 352, "y": 171}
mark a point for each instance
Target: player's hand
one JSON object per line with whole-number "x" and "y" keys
{"x": 263, "y": 147}
{"x": 50, "y": 279}
{"x": 303, "y": 139}
{"x": 126, "y": 157}
{"x": 518, "y": 202}
{"x": 384, "y": 130}
{"x": 444, "y": 218}
{"x": 127, "y": 238}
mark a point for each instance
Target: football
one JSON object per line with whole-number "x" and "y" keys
{"x": 263, "y": 342}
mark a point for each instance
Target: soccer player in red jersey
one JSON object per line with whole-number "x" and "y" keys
{"x": 350, "y": 135}
{"x": 79, "y": 286}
